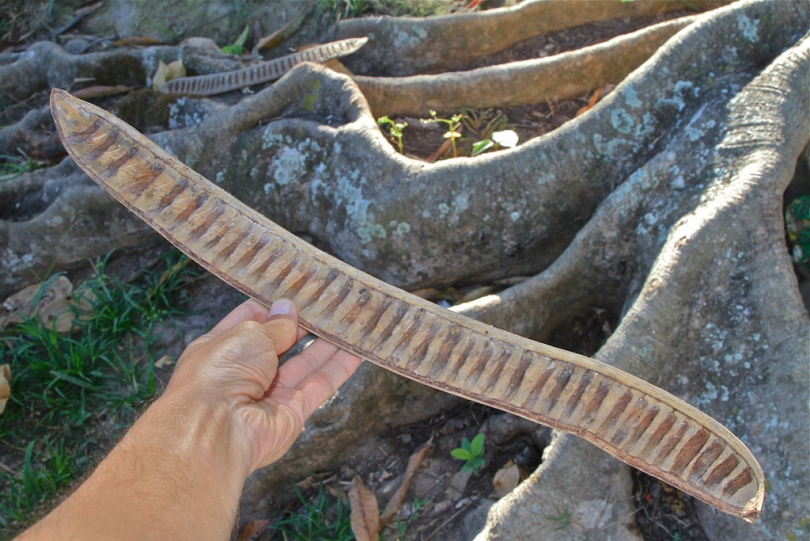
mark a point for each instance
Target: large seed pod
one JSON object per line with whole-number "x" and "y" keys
{"x": 219, "y": 83}
{"x": 629, "y": 418}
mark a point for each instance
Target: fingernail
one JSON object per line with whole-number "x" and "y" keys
{"x": 281, "y": 307}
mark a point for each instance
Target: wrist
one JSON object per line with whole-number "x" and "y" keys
{"x": 200, "y": 433}
{"x": 175, "y": 475}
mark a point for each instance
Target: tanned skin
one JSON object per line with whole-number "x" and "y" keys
{"x": 228, "y": 410}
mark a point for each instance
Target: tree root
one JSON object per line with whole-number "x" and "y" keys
{"x": 408, "y": 46}
{"x": 519, "y": 83}
{"x": 727, "y": 316}
{"x": 47, "y": 65}
{"x": 34, "y": 135}
{"x": 334, "y": 200}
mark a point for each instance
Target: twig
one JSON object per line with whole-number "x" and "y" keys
{"x": 80, "y": 14}
{"x": 449, "y": 520}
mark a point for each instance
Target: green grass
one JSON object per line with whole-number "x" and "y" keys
{"x": 14, "y": 166}
{"x": 322, "y": 517}
{"x": 74, "y": 394}
{"x": 24, "y": 21}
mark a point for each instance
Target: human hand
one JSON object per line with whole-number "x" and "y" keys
{"x": 228, "y": 410}
{"x": 235, "y": 365}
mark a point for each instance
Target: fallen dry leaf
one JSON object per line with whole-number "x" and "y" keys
{"x": 159, "y": 78}
{"x": 174, "y": 269}
{"x": 335, "y": 65}
{"x": 5, "y": 386}
{"x": 52, "y": 301}
{"x": 135, "y": 41}
{"x": 506, "y": 479}
{"x": 167, "y": 72}
{"x": 365, "y": 511}
{"x": 598, "y": 95}
{"x": 100, "y": 91}
{"x": 441, "y": 151}
{"x": 166, "y": 360}
{"x": 175, "y": 70}
{"x": 399, "y": 496}
{"x": 278, "y": 36}
{"x": 477, "y": 293}
{"x": 591, "y": 102}
{"x": 253, "y": 529}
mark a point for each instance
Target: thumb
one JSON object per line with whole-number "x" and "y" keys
{"x": 282, "y": 325}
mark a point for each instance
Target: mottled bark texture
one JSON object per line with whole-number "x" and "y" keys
{"x": 662, "y": 205}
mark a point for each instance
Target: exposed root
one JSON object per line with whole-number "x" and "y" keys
{"x": 404, "y": 46}
{"x": 671, "y": 331}
{"x": 46, "y": 65}
{"x": 519, "y": 83}
{"x": 34, "y": 135}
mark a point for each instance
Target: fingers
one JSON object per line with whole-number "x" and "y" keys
{"x": 281, "y": 325}
{"x": 249, "y": 310}
{"x": 307, "y": 362}
{"x": 320, "y": 385}
{"x": 317, "y": 372}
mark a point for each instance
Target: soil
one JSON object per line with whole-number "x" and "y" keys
{"x": 452, "y": 504}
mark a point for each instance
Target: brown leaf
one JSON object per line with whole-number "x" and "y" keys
{"x": 399, "y": 496}
{"x": 506, "y": 479}
{"x": 175, "y": 70}
{"x": 159, "y": 78}
{"x": 50, "y": 301}
{"x": 365, "y": 511}
{"x": 165, "y": 73}
{"x": 278, "y": 36}
{"x": 177, "y": 267}
{"x": 477, "y": 293}
{"x": 166, "y": 360}
{"x": 253, "y": 529}
{"x": 441, "y": 151}
{"x": 100, "y": 91}
{"x": 5, "y": 387}
{"x": 134, "y": 41}
{"x": 335, "y": 65}
{"x": 591, "y": 102}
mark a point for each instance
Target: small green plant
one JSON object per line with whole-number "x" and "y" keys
{"x": 498, "y": 140}
{"x": 394, "y": 128}
{"x": 345, "y": 9}
{"x": 402, "y": 527}
{"x": 797, "y": 225}
{"x": 15, "y": 166}
{"x": 453, "y": 124}
{"x": 323, "y": 517}
{"x": 238, "y": 46}
{"x": 472, "y": 452}
{"x": 563, "y": 520}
